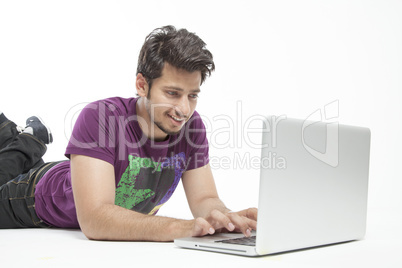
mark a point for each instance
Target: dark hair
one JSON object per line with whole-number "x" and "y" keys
{"x": 179, "y": 48}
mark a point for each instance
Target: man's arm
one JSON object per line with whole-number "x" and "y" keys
{"x": 204, "y": 203}
{"x": 93, "y": 183}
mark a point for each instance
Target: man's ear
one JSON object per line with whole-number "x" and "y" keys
{"x": 141, "y": 85}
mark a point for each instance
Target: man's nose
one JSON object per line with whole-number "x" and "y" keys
{"x": 183, "y": 107}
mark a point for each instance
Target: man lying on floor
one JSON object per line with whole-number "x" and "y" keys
{"x": 126, "y": 157}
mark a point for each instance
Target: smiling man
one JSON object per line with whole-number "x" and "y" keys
{"x": 174, "y": 97}
{"x": 128, "y": 155}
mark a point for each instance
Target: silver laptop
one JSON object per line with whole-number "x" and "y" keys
{"x": 313, "y": 189}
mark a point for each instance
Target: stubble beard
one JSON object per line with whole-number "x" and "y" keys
{"x": 160, "y": 125}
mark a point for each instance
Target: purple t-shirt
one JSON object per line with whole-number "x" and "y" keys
{"x": 146, "y": 172}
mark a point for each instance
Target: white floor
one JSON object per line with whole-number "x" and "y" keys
{"x": 70, "y": 248}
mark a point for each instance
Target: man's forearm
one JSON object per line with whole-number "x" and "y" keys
{"x": 111, "y": 222}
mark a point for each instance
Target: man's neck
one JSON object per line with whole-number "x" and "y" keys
{"x": 145, "y": 123}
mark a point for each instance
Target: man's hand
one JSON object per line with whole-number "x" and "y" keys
{"x": 210, "y": 214}
{"x": 243, "y": 221}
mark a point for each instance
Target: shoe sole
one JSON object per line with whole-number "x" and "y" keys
{"x": 50, "y": 136}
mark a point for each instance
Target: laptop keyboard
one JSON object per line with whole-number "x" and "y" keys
{"x": 247, "y": 241}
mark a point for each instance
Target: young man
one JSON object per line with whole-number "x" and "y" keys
{"x": 128, "y": 155}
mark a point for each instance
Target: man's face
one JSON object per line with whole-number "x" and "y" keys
{"x": 172, "y": 101}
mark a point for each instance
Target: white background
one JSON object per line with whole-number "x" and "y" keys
{"x": 272, "y": 57}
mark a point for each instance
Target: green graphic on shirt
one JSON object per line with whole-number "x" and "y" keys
{"x": 128, "y": 193}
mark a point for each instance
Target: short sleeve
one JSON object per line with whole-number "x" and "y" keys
{"x": 92, "y": 133}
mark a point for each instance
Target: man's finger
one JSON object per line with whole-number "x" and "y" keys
{"x": 241, "y": 223}
{"x": 202, "y": 227}
{"x": 220, "y": 220}
{"x": 251, "y": 223}
{"x": 250, "y": 213}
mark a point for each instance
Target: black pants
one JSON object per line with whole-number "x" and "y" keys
{"x": 21, "y": 167}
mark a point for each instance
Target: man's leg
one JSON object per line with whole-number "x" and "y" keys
{"x": 21, "y": 152}
{"x": 17, "y": 199}
{"x": 8, "y": 131}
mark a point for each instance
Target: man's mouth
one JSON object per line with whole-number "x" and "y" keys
{"x": 176, "y": 118}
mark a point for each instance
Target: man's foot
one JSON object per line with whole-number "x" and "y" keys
{"x": 37, "y": 128}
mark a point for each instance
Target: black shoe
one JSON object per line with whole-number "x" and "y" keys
{"x": 36, "y": 127}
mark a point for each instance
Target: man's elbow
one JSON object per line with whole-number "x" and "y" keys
{"x": 89, "y": 230}
{"x": 91, "y": 226}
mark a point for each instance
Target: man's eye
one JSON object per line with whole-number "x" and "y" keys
{"x": 171, "y": 93}
{"x": 194, "y": 96}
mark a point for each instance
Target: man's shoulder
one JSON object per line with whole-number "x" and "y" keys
{"x": 114, "y": 104}
{"x": 117, "y": 101}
